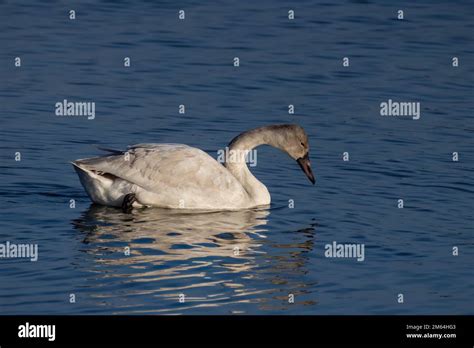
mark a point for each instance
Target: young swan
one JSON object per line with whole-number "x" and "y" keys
{"x": 181, "y": 177}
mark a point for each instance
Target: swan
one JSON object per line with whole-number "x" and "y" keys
{"x": 178, "y": 176}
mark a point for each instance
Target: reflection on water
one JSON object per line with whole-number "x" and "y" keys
{"x": 176, "y": 236}
{"x": 213, "y": 258}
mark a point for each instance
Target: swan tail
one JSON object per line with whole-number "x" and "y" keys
{"x": 112, "y": 151}
{"x": 96, "y": 184}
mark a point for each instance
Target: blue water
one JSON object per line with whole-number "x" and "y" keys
{"x": 281, "y": 250}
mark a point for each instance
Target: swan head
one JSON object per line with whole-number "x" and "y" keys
{"x": 289, "y": 138}
{"x": 293, "y": 140}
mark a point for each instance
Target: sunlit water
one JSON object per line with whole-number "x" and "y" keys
{"x": 250, "y": 261}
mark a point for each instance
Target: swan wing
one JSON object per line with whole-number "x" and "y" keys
{"x": 170, "y": 168}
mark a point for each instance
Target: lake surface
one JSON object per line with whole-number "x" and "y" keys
{"x": 247, "y": 262}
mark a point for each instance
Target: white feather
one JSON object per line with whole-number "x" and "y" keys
{"x": 163, "y": 175}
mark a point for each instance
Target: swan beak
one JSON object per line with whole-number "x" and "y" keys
{"x": 305, "y": 165}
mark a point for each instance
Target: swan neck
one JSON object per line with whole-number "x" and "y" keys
{"x": 237, "y": 152}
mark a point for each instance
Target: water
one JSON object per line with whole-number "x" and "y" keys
{"x": 280, "y": 250}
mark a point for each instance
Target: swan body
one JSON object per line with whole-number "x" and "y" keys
{"x": 178, "y": 176}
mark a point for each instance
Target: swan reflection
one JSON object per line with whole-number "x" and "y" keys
{"x": 216, "y": 258}
{"x": 174, "y": 235}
